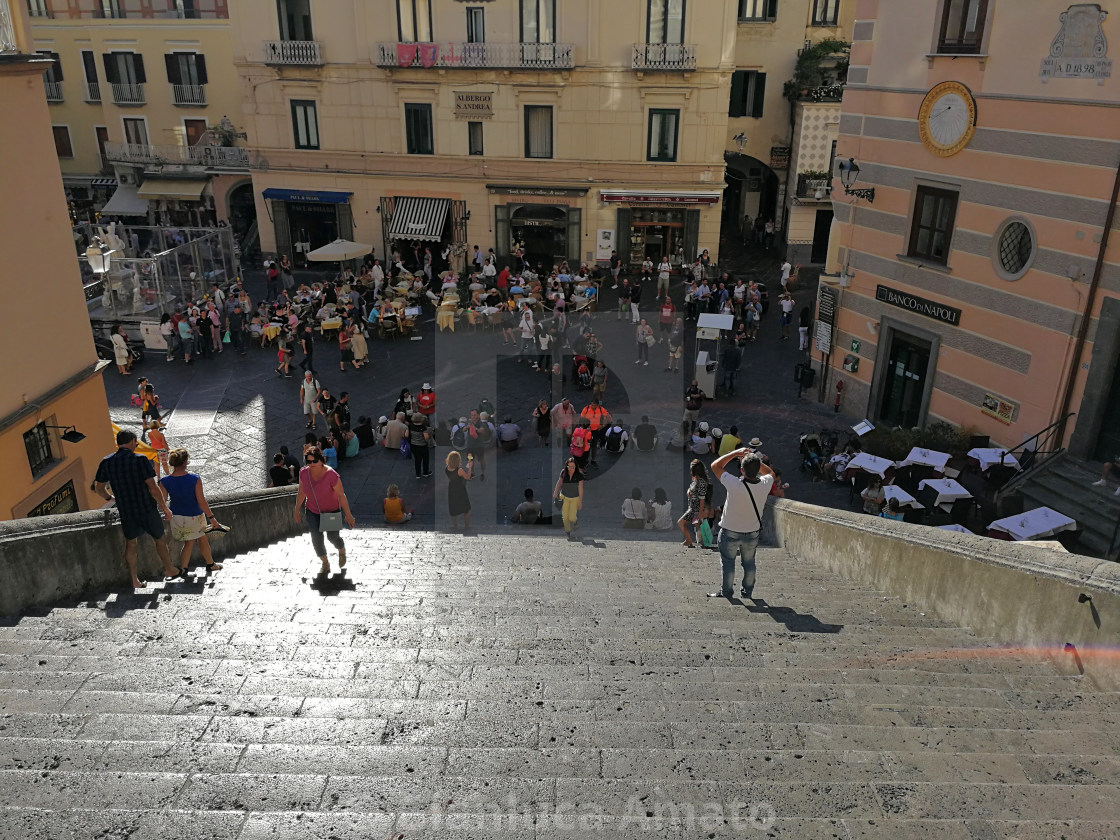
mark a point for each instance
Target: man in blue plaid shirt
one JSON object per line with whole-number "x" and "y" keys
{"x": 139, "y": 501}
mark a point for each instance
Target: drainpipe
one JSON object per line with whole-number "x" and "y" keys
{"x": 1083, "y": 329}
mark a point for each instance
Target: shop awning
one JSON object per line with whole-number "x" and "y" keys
{"x": 125, "y": 202}
{"x": 419, "y": 218}
{"x": 308, "y": 196}
{"x": 661, "y": 196}
{"x": 103, "y": 182}
{"x": 179, "y": 190}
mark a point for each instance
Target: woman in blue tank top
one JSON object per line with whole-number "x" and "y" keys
{"x": 189, "y": 512}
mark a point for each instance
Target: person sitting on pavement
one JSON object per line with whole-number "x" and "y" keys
{"x": 635, "y": 514}
{"x": 645, "y": 435}
{"x": 509, "y": 435}
{"x": 730, "y": 441}
{"x": 364, "y": 432}
{"x": 682, "y": 438}
{"x": 529, "y": 512}
{"x": 660, "y": 511}
{"x": 615, "y": 440}
{"x": 395, "y": 430}
{"x": 393, "y": 507}
{"x": 701, "y": 440}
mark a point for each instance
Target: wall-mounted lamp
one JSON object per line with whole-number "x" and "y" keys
{"x": 740, "y": 140}
{"x": 849, "y": 174}
{"x": 467, "y": 216}
{"x": 99, "y": 256}
{"x": 69, "y": 434}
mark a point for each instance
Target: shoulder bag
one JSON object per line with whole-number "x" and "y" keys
{"x": 330, "y": 520}
{"x": 754, "y": 505}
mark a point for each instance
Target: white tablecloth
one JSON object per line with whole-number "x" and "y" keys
{"x": 870, "y": 463}
{"x": 904, "y": 498}
{"x": 1034, "y": 524}
{"x": 947, "y": 489}
{"x": 960, "y": 529}
{"x": 990, "y": 457}
{"x": 926, "y": 458}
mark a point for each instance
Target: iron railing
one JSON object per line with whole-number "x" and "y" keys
{"x": 518, "y": 56}
{"x": 293, "y": 52}
{"x": 664, "y": 57}
{"x": 216, "y": 157}
{"x": 1035, "y": 451}
{"x": 128, "y": 94}
{"x": 807, "y": 187}
{"x": 188, "y": 94}
{"x": 7, "y": 31}
{"x": 54, "y": 90}
{"x": 93, "y": 92}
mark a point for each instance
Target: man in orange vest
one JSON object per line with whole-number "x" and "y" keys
{"x": 598, "y": 419}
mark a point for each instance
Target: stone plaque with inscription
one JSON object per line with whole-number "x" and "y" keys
{"x": 1080, "y": 49}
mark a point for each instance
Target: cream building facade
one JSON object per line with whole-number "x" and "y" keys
{"x": 981, "y": 280}
{"x": 145, "y": 109}
{"x": 54, "y": 419}
{"x": 568, "y": 129}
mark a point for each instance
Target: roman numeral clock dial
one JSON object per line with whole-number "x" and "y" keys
{"x": 947, "y": 118}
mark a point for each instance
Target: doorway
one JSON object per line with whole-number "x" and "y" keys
{"x": 1108, "y": 441}
{"x": 542, "y": 234}
{"x": 822, "y": 228}
{"x": 904, "y": 382}
{"x": 194, "y": 129}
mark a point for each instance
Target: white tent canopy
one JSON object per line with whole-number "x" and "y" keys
{"x": 340, "y": 249}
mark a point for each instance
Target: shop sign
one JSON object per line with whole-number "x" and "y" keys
{"x": 921, "y": 306}
{"x": 62, "y": 500}
{"x": 604, "y": 244}
{"x": 823, "y": 338}
{"x": 501, "y": 189}
{"x": 474, "y": 106}
{"x": 660, "y": 198}
{"x": 826, "y": 305}
{"x": 1080, "y": 49}
{"x": 1003, "y": 410}
{"x": 779, "y": 157}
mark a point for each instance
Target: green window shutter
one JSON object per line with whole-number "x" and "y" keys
{"x": 738, "y": 85}
{"x": 759, "y": 94}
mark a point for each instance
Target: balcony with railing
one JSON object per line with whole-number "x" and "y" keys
{"x": 209, "y": 157}
{"x": 190, "y": 95}
{"x": 507, "y": 56}
{"x": 306, "y": 53}
{"x": 54, "y": 90}
{"x": 128, "y": 94}
{"x": 811, "y": 183}
{"x": 7, "y": 31}
{"x": 93, "y": 92}
{"x": 678, "y": 57}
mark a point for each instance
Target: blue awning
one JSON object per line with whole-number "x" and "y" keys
{"x": 308, "y": 196}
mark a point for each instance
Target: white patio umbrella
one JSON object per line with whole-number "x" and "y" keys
{"x": 339, "y": 250}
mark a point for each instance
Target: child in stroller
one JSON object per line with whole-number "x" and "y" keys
{"x": 812, "y": 456}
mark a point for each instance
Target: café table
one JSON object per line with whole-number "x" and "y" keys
{"x": 890, "y": 491}
{"x": 960, "y": 529}
{"x": 474, "y": 287}
{"x": 926, "y": 458}
{"x": 948, "y": 490}
{"x": 330, "y": 325}
{"x": 270, "y": 331}
{"x": 445, "y": 318}
{"x": 868, "y": 463}
{"x": 988, "y": 457}
{"x": 1032, "y": 525}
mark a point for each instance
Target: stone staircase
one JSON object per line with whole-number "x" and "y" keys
{"x": 1066, "y": 485}
{"x": 518, "y": 686}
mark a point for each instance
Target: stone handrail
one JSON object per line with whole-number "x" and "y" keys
{"x": 521, "y": 56}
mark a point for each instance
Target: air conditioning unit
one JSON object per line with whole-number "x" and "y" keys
{"x": 127, "y": 178}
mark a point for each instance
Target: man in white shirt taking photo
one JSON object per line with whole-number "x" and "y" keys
{"x": 741, "y": 523}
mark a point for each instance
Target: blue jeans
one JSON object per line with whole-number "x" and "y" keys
{"x": 732, "y": 545}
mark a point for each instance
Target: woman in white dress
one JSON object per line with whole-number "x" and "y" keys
{"x": 121, "y": 353}
{"x": 661, "y": 511}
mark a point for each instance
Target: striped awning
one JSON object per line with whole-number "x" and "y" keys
{"x": 103, "y": 182}
{"x": 419, "y": 218}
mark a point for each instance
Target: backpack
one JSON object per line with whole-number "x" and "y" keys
{"x": 485, "y": 435}
{"x": 459, "y": 438}
{"x": 614, "y": 441}
{"x": 577, "y": 447}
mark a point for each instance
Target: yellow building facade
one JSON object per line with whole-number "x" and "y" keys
{"x": 54, "y": 419}
{"x": 980, "y": 280}
{"x": 145, "y": 109}
{"x": 566, "y": 129}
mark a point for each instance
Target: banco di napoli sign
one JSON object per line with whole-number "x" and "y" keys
{"x": 920, "y": 306}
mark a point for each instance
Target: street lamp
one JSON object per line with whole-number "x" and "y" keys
{"x": 99, "y": 256}
{"x": 849, "y": 174}
{"x": 69, "y": 434}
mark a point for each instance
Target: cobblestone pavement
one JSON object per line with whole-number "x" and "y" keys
{"x": 479, "y": 687}
{"x": 257, "y": 411}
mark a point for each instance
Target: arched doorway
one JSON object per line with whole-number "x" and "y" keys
{"x": 752, "y": 189}
{"x": 243, "y": 219}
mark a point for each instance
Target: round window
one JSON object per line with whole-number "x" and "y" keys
{"x": 1015, "y": 246}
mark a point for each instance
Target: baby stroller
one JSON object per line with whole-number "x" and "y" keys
{"x": 813, "y": 456}
{"x": 583, "y": 373}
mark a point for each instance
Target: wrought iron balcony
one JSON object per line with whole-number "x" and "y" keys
{"x": 54, "y": 91}
{"x": 93, "y": 92}
{"x": 306, "y": 53}
{"x": 128, "y": 94}
{"x": 509, "y": 56}
{"x": 209, "y": 157}
{"x": 809, "y": 185}
{"x": 664, "y": 57}
{"x": 7, "y": 31}
{"x": 188, "y": 94}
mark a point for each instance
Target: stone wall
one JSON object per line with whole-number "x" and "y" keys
{"x": 1028, "y": 596}
{"x": 53, "y": 559}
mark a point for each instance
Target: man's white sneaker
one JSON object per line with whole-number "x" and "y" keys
{"x": 1100, "y": 483}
